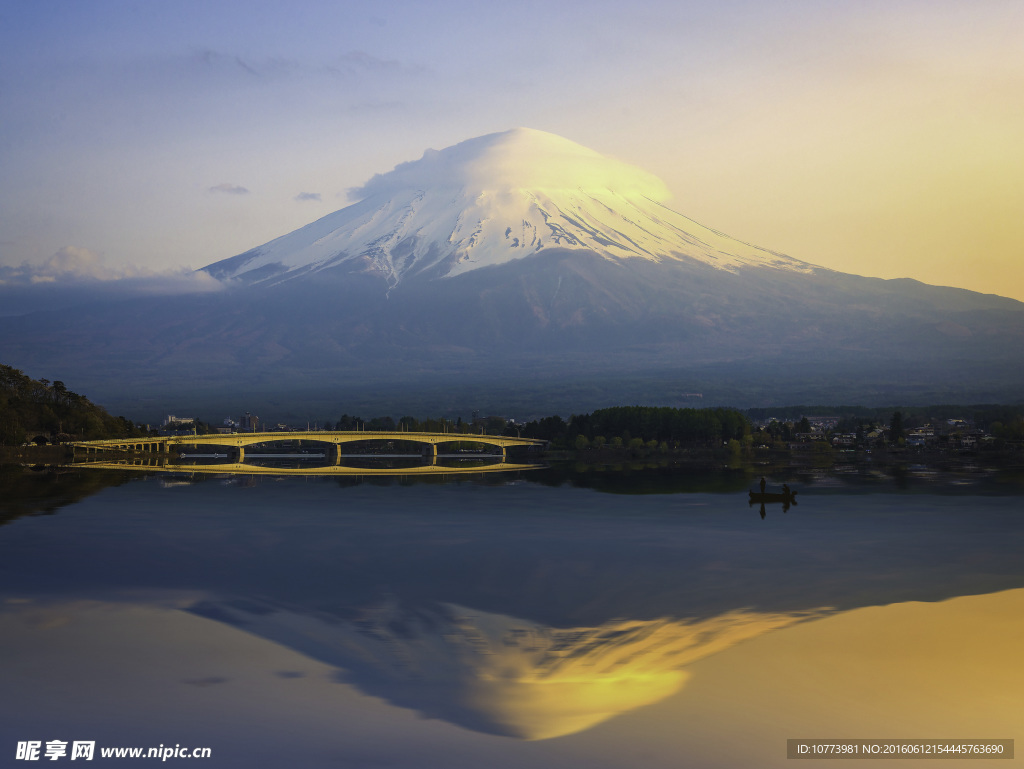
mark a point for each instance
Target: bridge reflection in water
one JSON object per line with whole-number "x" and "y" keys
{"x": 162, "y": 454}
{"x": 242, "y": 468}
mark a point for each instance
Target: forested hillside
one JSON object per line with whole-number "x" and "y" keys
{"x": 32, "y": 409}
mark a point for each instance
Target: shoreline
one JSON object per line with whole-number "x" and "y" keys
{"x": 63, "y": 456}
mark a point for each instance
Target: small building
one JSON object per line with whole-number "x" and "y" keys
{"x": 921, "y": 436}
{"x": 875, "y": 436}
{"x": 823, "y": 424}
{"x": 811, "y": 436}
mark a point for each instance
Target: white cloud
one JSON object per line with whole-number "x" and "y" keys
{"x": 78, "y": 266}
{"x": 79, "y": 276}
{"x": 303, "y": 196}
{"x": 521, "y": 158}
{"x": 230, "y": 189}
{"x": 77, "y": 263}
{"x": 356, "y": 62}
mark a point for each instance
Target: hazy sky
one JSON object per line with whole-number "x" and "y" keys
{"x": 879, "y": 138}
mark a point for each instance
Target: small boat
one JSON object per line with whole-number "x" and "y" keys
{"x": 757, "y": 496}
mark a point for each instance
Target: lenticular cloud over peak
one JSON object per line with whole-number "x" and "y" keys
{"x": 519, "y": 159}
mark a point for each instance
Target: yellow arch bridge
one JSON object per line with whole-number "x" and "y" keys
{"x": 239, "y": 441}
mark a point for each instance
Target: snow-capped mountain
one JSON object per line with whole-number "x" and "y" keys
{"x": 493, "y": 199}
{"x": 538, "y": 276}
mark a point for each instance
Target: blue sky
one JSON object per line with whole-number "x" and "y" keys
{"x": 875, "y": 138}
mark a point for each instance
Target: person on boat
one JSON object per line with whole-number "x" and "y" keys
{"x": 785, "y": 490}
{"x": 763, "y": 484}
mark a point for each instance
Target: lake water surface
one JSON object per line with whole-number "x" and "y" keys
{"x": 553, "y": 619}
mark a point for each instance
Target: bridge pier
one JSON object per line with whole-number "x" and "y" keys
{"x": 336, "y": 454}
{"x": 241, "y": 454}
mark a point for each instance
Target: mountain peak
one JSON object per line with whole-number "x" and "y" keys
{"x": 491, "y": 200}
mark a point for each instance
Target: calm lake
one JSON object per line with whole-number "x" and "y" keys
{"x": 554, "y": 618}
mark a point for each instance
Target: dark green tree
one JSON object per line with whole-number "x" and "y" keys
{"x": 896, "y": 427}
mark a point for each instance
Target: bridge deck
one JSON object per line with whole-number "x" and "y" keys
{"x": 241, "y": 440}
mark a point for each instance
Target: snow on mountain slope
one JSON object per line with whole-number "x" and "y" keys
{"x": 492, "y": 199}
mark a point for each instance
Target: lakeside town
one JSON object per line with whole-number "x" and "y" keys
{"x": 813, "y": 434}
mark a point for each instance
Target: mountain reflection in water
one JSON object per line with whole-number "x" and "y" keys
{"x": 498, "y": 674}
{"x": 123, "y": 671}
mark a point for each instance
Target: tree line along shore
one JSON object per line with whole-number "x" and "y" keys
{"x": 42, "y": 412}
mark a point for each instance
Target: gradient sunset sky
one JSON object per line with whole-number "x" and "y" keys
{"x": 877, "y": 138}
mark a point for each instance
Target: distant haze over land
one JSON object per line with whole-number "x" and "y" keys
{"x": 520, "y": 272}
